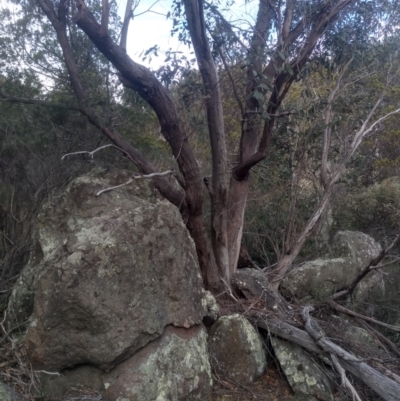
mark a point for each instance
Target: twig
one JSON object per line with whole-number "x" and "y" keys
{"x": 8, "y": 239}
{"x": 326, "y": 345}
{"x": 345, "y": 381}
{"x": 380, "y": 336}
{"x": 4, "y": 330}
{"x": 85, "y": 152}
{"x": 135, "y": 177}
{"x": 235, "y": 92}
{"x": 386, "y": 264}
{"x": 47, "y": 373}
{"x": 373, "y": 265}
{"x": 341, "y": 308}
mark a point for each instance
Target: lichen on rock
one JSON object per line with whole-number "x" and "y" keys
{"x": 236, "y": 349}
{"x": 304, "y": 376}
{"x": 174, "y": 367}
{"x": 107, "y": 275}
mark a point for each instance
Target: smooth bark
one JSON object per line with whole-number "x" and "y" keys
{"x": 140, "y": 79}
{"x": 215, "y": 120}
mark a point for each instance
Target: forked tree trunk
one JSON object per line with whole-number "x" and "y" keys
{"x": 216, "y": 130}
{"x": 251, "y": 126}
{"x": 219, "y": 259}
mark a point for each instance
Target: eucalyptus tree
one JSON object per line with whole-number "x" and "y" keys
{"x": 271, "y": 55}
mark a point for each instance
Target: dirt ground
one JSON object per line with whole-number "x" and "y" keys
{"x": 271, "y": 386}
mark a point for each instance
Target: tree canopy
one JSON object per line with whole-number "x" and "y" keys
{"x": 273, "y": 113}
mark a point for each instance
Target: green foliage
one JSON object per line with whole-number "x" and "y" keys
{"x": 374, "y": 210}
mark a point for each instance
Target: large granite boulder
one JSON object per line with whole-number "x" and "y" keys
{"x": 318, "y": 279}
{"x": 108, "y": 274}
{"x": 236, "y": 349}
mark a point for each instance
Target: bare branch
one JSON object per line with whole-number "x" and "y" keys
{"x": 345, "y": 381}
{"x": 13, "y": 99}
{"x": 341, "y": 308}
{"x": 328, "y": 130}
{"x": 6, "y": 237}
{"x": 136, "y": 177}
{"x": 383, "y": 339}
{"x": 393, "y": 244}
{"x": 216, "y": 130}
{"x": 227, "y": 24}
{"x": 373, "y": 265}
{"x": 105, "y": 12}
{"x": 47, "y": 373}
{"x": 386, "y": 264}
{"x": 387, "y": 387}
{"x": 85, "y": 152}
{"x": 235, "y": 91}
{"x": 125, "y": 26}
{"x": 287, "y": 21}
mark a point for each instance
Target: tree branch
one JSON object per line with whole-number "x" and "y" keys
{"x": 366, "y": 270}
{"x": 331, "y": 348}
{"x": 234, "y": 88}
{"x": 386, "y": 387}
{"x": 216, "y": 130}
{"x": 105, "y": 12}
{"x": 125, "y": 25}
{"x": 142, "y": 80}
{"x": 287, "y": 21}
{"x": 340, "y": 308}
{"x": 319, "y": 20}
{"x": 136, "y": 177}
{"x": 328, "y": 130}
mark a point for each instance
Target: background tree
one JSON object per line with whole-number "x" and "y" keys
{"x": 261, "y": 64}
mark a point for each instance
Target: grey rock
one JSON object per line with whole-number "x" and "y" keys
{"x": 236, "y": 349}
{"x": 303, "y": 397}
{"x": 306, "y": 378}
{"x": 254, "y": 284}
{"x": 320, "y": 278}
{"x": 356, "y": 340}
{"x": 175, "y": 367}
{"x": 7, "y": 393}
{"x": 359, "y": 247}
{"x": 55, "y": 387}
{"x": 108, "y": 274}
{"x": 211, "y": 307}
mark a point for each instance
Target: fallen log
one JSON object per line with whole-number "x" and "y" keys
{"x": 385, "y": 387}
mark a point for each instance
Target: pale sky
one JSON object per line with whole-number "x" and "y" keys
{"x": 152, "y": 28}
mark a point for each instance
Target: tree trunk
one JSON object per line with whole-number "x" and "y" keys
{"x": 190, "y": 203}
{"x": 215, "y": 120}
{"x": 288, "y": 258}
{"x": 251, "y": 126}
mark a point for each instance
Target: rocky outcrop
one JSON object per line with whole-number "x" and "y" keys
{"x": 307, "y": 379}
{"x": 320, "y": 278}
{"x": 108, "y": 276}
{"x": 174, "y": 367}
{"x": 236, "y": 349}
